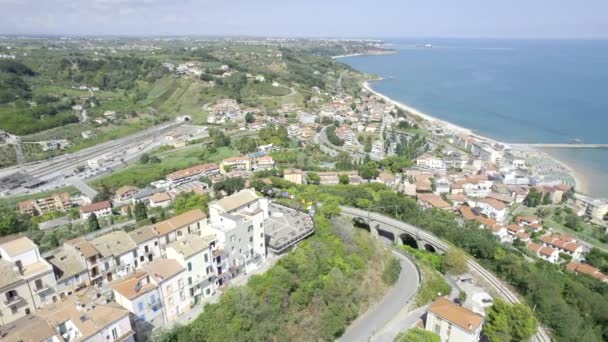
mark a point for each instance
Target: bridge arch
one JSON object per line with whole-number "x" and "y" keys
{"x": 430, "y": 248}
{"x": 385, "y": 233}
{"x": 408, "y": 240}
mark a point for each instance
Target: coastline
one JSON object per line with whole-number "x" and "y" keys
{"x": 579, "y": 181}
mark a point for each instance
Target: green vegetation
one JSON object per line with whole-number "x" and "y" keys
{"x": 92, "y": 223}
{"x": 417, "y": 335}
{"x": 433, "y": 284}
{"x": 455, "y": 262}
{"x": 572, "y": 307}
{"x": 391, "y": 272}
{"x": 509, "y": 323}
{"x": 330, "y": 131}
{"x": 187, "y": 201}
{"x": 314, "y": 292}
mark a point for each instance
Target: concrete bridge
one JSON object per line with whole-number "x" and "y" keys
{"x": 399, "y": 232}
{"x": 404, "y": 233}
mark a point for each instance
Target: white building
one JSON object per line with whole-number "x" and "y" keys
{"x": 238, "y": 223}
{"x": 100, "y": 209}
{"x": 157, "y": 294}
{"x": 491, "y": 207}
{"x": 148, "y": 248}
{"x": 452, "y": 322}
{"x": 179, "y": 227}
{"x": 195, "y": 255}
{"x": 430, "y": 162}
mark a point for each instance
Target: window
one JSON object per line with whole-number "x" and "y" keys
{"x": 261, "y": 234}
{"x": 114, "y": 333}
{"x": 206, "y": 257}
{"x": 146, "y": 249}
{"x": 179, "y": 232}
{"x": 141, "y": 258}
{"x": 152, "y": 299}
{"x": 437, "y": 328}
{"x": 189, "y": 266}
{"x": 233, "y": 238}
{"x": 117, "y": 261}
{"x": 140, "y": 306}
{"x": 38, "y": 284}
{"x": 189, "y": 280}
{"x": 14, "y": 309}
{"x": 155, "y": 243}
{"x": 250, "y": 229}
{"x": 27, "y": 311}
{"x": 107, "y": 265}
{"x": 135, "y": 254}
{"x": 208, "y": 292}
{"x": 180, "y": 283}
{"x": 251, "y": 239}
{"x": 182, "y": 296}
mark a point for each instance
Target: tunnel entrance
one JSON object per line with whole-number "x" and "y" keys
{"x": 430, "y": 248}
{"x": 360, "y": 223}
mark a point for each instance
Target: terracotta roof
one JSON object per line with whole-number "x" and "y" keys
{"x": 83, "y": 246}
{"x": 515, "y": 228}
{"x": 192, "y": 171}
{"x": 457, "y": 197}
{"x": 456, "y": 314}
{"x": 563, "y": 187}
{"x": 528, "y": 219}
{"x": 134, "y": 286}
{"x": 533, "y": 247}
{"x": 123, "y": 190}
{"x": 434, "y": 200}
{"x": 162, "y": 269}
{"x": 143, "y": 234}
{"x": 292, "y": 171}
{"x": 496, "y": 204}
{"x": 587, "y": 269}
{"x": 160, "y": 197}
{"x": 467, "y": 212}
{"x": 386, "y": 177}
{"x": 179, "y": 221}
{"x": 236, "y": 159}
{"x": 547, "y": 251}
{"x": 96, "y": 206}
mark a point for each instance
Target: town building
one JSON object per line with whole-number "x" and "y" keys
{"x": 27, "y": 282}
{"x": 195, "y": 255}
{"x": 100, "y": 209}
{"x": 192, "y": 173}
{"x": 56, "y": 202}
{"x": 156, "y": 295}
{"x": 160, "y": 200}
{"x": 82, "y": 317}
{"x": 242, "y": 163}
{"x": 125, "y": 193}
{"x": 179, "y": 227}
{"x": 589, "y": 270}
{"x": 71, "y": 272}
{"x": 564, "y": 244}
{"x": 428, "y": 161}
{"x": 119, "y": 253}
{"x": 452, "y": 322}
{"x": 148, "y": 248}
{"x": 293, "y": 175}
{"x": 544, "y": 252}
{"x": 238, "y": 223}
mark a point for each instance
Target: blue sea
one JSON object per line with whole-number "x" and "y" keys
{"x": 519, "y": 91}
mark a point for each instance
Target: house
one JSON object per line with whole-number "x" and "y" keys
{"x": 148, "y": 247}
{"x": 71, "y": 272}
{"x": 544, "y": 252}
{"x": 293, "y": 175}
{"x": 452, "y": 322}
{"x": 531, "y": 222}
{"x": 178, "y": 227}
{"x": 387, "y": 179}
{"x": 195, "y": 255}
{"x": 91, "y": 258}
{"x": 145, "y": 194}
{"x": 564, "y": 244}
{"x": 589, "y": 270}
{"x": 442, "y": 186}
{"x": 100, "y": 209}
{"x": 27, "y": 282}
{"x": 160, "y": 200}
{"x": 429, "y": 201}
{"x": 82, "y": 317}
{"x": 430, "y": 162}
{"x": 490, "y": 207}
{"x": 125, "y": 193}
{"x": 238, "y": 223}
{"x": 155, "y": 295}
{"x": 242, "y": 163}
{"x": 457, "y": 200}
{"x": 56, "y": 202}
{"x": 119, "y": 253}
{"x": 264, "y": 163}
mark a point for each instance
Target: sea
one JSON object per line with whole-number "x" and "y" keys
{"x": 516, "y": 91}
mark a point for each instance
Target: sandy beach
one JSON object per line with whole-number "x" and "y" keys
{"x": 579, "y": 181}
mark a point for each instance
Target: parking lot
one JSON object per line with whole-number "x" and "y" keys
{"x": 285, "y": 227}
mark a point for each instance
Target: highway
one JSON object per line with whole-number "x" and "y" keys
{"x": 118, "y": 152}
{"x": 371, "y": 322}
{"x": 500, "y": 288}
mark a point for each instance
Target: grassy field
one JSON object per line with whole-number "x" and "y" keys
{"x": 8, "y": 155}
{"x": 171, "y": 160}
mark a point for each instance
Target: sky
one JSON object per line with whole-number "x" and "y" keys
{"x": 309, "y": 18}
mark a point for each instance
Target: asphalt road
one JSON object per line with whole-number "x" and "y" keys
{"x": 399, "y": 296}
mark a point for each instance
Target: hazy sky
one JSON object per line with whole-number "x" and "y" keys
{"x": 335, "y": 18}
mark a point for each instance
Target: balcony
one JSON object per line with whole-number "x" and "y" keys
{"x": 42, "y": 288}
{"x": 12, "y": 300}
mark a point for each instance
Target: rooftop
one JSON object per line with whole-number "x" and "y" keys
{"x": 456, "y": 314}
{"x": 18, "y": 246}
{"x": 67, "y": 262}
{"x": 95, "y": 207}
{"x": 163, "y": 268}
{"x": 238, "y": 199}
{"x": 192, "y": 245}
{"x": 114, "y": 244}
{"x": 142, "y": 234}
{"x": 179, "y": 221}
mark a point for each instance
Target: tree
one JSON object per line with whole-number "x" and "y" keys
{"x": 140, "y": 211}
{"x": 344, "y": 179}
{"x": 129, "y": 213}
{"x": 227, "y": 168}
{"x": 12, "y": 222}
{"x": 547, "y": 199}
{"x": 455, "y": 262}
{"x": 103, "y": 195}
{"x": 573, "y": 222}
{"x": 509, "y": 323}
{"x": 417, "y": 335}
{"x": 249, "y": 118}
{"x": 313, "y": 178}
{"x": 533, "y": 198}
{"x": 331, "y": 207}
{"x": 369, "y": 170}
{"x": 144, "y": 159}
{"x": 230, "y": 185}
{"x": 92, "y": 222}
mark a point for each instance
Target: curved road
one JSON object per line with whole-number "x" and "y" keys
{"x": 541, "y": 335}
{"x": 372, "y": 321}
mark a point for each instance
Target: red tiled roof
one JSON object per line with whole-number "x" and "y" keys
{"x": 95, "y": 207}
